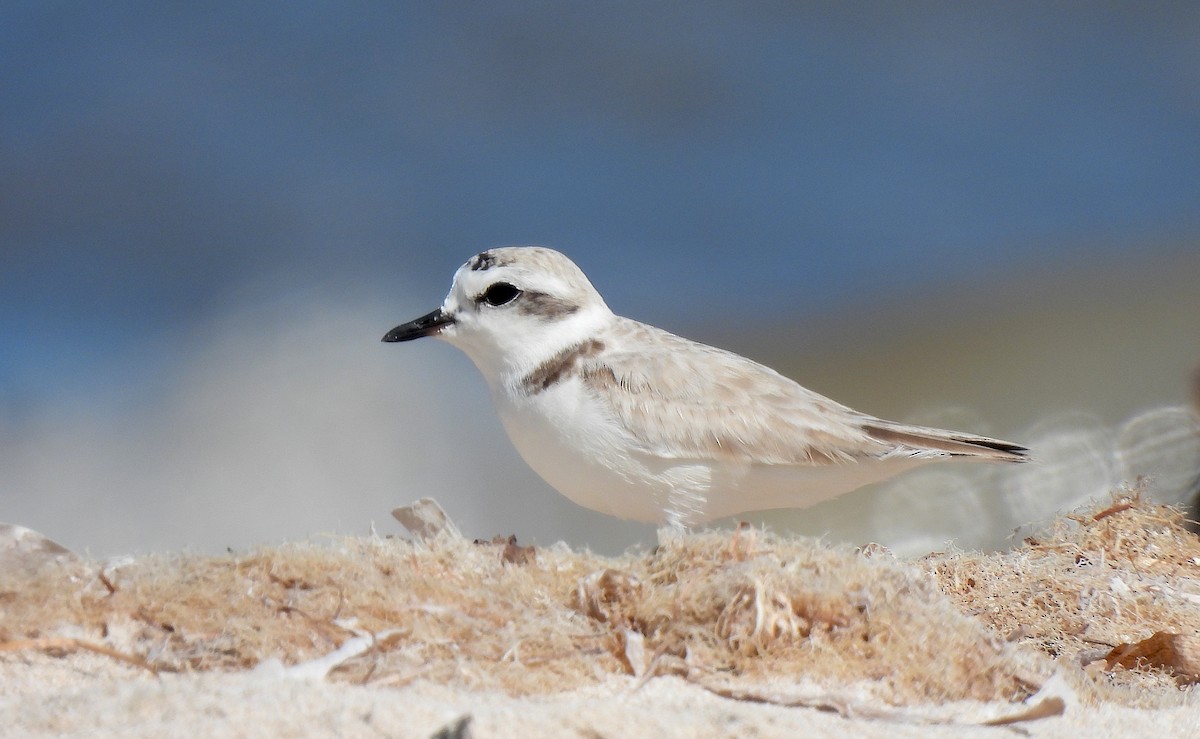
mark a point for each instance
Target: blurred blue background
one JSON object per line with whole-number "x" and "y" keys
{"x": 210, "y": 213}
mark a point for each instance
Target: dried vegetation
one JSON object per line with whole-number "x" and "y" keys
{"x": 1110, "y": 597}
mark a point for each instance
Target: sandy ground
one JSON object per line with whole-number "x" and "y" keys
{"x": 88, "y": 695}
{"x": 1092, "y": 628}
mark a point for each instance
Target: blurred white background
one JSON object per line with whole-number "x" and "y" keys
{"x": 979, "y": 218}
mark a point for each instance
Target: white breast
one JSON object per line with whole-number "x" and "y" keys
{"x": 575, "y": 446}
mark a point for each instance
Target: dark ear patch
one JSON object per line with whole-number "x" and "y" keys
{"x": 544, "y": 305}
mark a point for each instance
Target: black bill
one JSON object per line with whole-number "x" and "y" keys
{"x": 430, "y": 323}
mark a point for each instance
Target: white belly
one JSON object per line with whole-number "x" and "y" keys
{"x": 566, "y": 437}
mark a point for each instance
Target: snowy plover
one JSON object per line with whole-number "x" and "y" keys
{"x": 633, "y": 421}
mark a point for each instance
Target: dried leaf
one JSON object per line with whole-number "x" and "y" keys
{"x": 511, "y": 553}
{"x": 426, "y": 520}
{"x": 1178, "y": 654}
{"x": 633, "y": 651}
{"x": 23, "y": 549}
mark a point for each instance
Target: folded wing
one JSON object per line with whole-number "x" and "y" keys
{"x": 686, "y": 400}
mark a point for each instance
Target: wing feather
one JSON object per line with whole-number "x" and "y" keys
{"x": 679, "y": 399}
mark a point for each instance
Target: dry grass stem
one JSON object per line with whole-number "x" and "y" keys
{"x": 1110, "y": 597}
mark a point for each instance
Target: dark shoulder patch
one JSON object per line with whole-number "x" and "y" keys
{"x": 557, "y": 368}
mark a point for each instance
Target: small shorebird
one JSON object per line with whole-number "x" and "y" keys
{"x": 636, "y": 422}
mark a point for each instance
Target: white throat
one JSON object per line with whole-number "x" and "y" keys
{"x": 509, "y": 351}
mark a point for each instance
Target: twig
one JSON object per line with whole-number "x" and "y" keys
{"x": 69, "y": 644}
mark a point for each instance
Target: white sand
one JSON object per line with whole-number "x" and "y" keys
{"x": 89, "y": 695}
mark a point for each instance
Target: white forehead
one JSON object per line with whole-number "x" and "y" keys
{"x": 527, "y": 267}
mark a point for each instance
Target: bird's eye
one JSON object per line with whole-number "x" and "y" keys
{"x": 501, "y": 293}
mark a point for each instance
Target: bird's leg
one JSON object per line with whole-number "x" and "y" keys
{"x": 684, "y": 509}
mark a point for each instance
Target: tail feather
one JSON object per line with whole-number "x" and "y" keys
{"x": 953, "y": 443}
